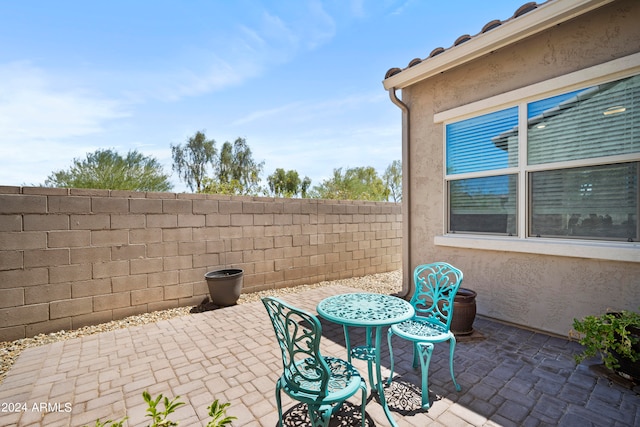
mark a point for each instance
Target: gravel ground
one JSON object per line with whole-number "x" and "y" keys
{"x": 385, "y": 283}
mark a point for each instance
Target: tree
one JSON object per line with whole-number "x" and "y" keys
{"x": 288, "y": 184}
{"x": 190, "y": 161}
{"x": 236, "y": 172}
{"x": 361, "y": 183}
{"x": 393, "y": 180}
{"x": 106, "y": 169}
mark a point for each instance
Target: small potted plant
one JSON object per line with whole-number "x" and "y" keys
{"x": 615, "y": 336}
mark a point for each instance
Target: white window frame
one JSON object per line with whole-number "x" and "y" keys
{"x": 607, "y": 250}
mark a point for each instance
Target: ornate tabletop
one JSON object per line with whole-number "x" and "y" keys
{"x": 365, "y": 309}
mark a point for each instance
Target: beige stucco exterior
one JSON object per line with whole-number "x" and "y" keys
{"x": 537, "y": 290}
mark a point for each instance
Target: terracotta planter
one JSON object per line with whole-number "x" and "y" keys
{"x": 225, "y": 286}
{"x": 464, "y": 312}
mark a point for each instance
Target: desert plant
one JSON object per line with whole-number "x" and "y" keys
{"x": 160, "y": 417}
{"x": 610, "y": 335}
{"x": 110, "y": 423}
{"x": 218, "y": 414}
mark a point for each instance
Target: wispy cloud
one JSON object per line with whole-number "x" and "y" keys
{"x": 32, "y": 106}
{"x": 37, "y": 114}
{"x": 238, "y": 53}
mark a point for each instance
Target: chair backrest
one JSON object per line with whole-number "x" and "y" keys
{"x": 298, "y": 333}
{"x": 436, "y": 287}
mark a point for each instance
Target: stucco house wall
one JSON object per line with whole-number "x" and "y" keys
{"x": 544, "y": 292}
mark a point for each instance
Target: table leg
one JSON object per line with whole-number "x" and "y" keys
{"x": 380, "y": 385}
{"x": 377, "y": 385}
{"x": 347, "y": 342}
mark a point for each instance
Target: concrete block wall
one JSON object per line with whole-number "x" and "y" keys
{"x": 74, "y": 257}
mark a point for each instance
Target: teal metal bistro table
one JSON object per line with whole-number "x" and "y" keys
{"x": 372, "y": 312}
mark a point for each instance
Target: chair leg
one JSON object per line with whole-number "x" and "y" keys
{"x": 320, "y": 415}
{"x": 425, "y": 349}
{"x": 363, "y": 386}
{"x": 452, "y": 347}
{"x": 416, "y": 354}
{"x": 279, "y": 403}
{"x": 389, "y": 335}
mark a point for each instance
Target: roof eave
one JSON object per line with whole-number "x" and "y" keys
{"x": 545, "y": 16}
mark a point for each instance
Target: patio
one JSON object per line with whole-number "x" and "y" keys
{"x": 509, "y": 376}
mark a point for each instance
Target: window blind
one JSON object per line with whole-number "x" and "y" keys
{"x": 600, "y": 121}
{"x": 483, "y": 143}
{"x": 485, "y": 204}
{"x": 594, "y": 202}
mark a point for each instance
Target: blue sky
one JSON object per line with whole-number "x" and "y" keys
{"x": 300, "y": 80}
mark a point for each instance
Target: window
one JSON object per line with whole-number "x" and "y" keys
{"x": 572, "y": 175}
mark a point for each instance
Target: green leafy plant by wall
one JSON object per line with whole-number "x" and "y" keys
{"x": 610, "y": 335}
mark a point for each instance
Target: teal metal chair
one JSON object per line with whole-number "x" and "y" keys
{"x": 435, "y": 289}
{"x": 323, "y": 383}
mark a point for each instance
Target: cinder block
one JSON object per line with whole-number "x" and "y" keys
{"x": 89, "y": 288}
{"x": 230, "y": 206}
{"x": 253, "y": 207}
{"x": 177, "y": 235}
{"x": 162, "y": 221}
{"x": 178, "y": 263}
{"x": 23, "y": 278}
{"x": 109, "y": 205}
{"x": 12, "y": 297}
{"x": 205, "y": 206}
{"x": 230, "y": 232}
{"x": 47, "y": 293}
{"x": 128, "y": 221}
{"x": 241, "y": 244}
{"x": 157, "y": 250}
{"x": 242, "y": 220}
{"x": 70, "y": 307}
{"x": 218, "y": 220}
{"x": 191, "y": 248}
{"x": 69, "y": 204}
{"x": 21, "y": 204}
{"x": 109, "y": 237}
{"x": 178, "y": 291}
{"x": 197, "y": 274}
{"x": 177, "y": 206}
{"x": 46, "y": 257}
{"x": 145, "y": 296}
{"x": 12, "y": 333}
{"x": 145, "y": 206}
{"x": 23, "y": 315}
{"x": 111, "y": 301}
{"x": 191, "y": 220}
{"x": 205, "y": 260}
{"x": 90, "y": 222}
{"x": 264, "y": 266}
{"x": 122, "y": 252}
{"x": 24, "y": 240}
{"x": 11, "y": 260}
{"x": 110, "y": 269}
{"x": 146, "y": 265}
{"x": 129, "y": 283}
{"x": 10, "y": 223}
{"x": 163, "y": 278}
{"x": 69, "y": 238}
{"x": 146, "y": 235}
{"x": 89, "y": 255}
{"x": 92, "y": 319}
{"x": 69, "y": 273}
